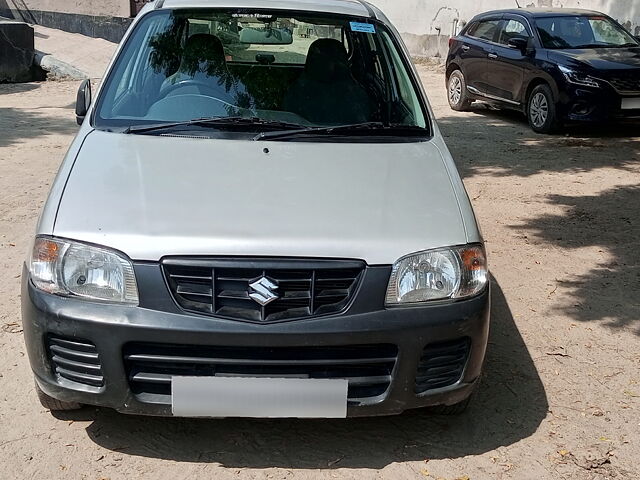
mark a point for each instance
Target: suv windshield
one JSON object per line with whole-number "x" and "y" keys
{"x": 274, "y": 68}
{"x": 583, "y": 32}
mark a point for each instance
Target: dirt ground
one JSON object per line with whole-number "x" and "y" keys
{"x": 561, "y": 394}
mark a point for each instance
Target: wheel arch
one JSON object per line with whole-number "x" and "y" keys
{"x": 453, "y": 66}
{"x": 533, "y": 83}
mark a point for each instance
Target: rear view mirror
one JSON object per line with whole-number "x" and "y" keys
{"x": 520, "y": 43}
{"x": 266, "y": 36}
{"x": 83, "y": 101}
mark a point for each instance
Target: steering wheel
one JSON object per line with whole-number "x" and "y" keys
{"x": 205, "y": 89}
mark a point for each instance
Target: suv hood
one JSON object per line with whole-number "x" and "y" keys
{"x": 599, "y": 58}
{"x": 151, "y": 196}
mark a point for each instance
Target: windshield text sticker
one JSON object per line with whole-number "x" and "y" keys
{"x": 362, "y": 27}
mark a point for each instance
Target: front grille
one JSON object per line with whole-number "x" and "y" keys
{"x": 75, "y": 360}
{"x": 368, "y": 368}
{"x": 302, "y": 289}
{"x": 626, "y": 82}
{"x": 442, "y": 364}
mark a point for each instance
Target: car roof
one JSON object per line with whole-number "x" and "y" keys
{"x": 342, "y": 7}
{"x": 543, "y": 12}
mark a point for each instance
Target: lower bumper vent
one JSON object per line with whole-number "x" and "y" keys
{"x": 75, "y": 360}
{"x": 442, "y": 364}
{"x": 368, "y": 368}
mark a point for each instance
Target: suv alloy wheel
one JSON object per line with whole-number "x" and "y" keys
{"x": 457, "y": 92}
{"x": 541, "y": 110}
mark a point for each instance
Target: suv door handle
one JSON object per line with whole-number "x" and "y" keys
{"x": 465, "y": 48}
{"x": 493, "y": 55}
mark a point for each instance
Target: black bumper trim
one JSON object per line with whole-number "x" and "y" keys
{"x": 110, "y": 327}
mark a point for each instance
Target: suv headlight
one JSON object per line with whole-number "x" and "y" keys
{"x": 578, "y": 78}
{"x": 74, "y": 269}
{"x": 444, "y": 273}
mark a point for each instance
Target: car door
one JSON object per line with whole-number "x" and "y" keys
{"x": 506, "y": 64}
{"x": 478, "y": 43}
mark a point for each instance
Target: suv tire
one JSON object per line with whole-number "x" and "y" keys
{"x": 457, "y": 92}
{"x": 54, "y": 404}
{"x": 541, "y": 110}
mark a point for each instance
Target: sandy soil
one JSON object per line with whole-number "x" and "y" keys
{"x": 561, "y": 394}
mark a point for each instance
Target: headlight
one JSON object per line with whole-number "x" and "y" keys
{"x": 74, "y": 269}
{"x": 446, "y": 273}
{"x": 578, "y": 78}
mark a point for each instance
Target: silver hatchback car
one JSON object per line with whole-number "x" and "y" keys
{"x": 259, "y": 217}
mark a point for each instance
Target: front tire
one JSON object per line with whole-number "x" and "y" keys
{"x": 54, "y": 404}
{"x": 541, "y": 110}
{"x": 457, "y": 92}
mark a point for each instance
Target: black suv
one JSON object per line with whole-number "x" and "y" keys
{"x": 556, "y": 65}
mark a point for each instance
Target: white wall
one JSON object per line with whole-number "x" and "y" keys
{"x": 107, "y": 8}
{"x": 424, "y": 17}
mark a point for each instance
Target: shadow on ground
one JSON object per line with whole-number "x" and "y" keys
{"x": 610, "y": 220}
{"x": 18, "y": 125}
{"x": 610, "y": 292}
{"x": 618, "y": 145}
{"x": 509, "y": 406}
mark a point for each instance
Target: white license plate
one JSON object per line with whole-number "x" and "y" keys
{"x": 631, "y": 103}
{"x": 258, "y": 397}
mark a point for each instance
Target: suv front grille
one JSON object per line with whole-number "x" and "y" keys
{"x": 75, "y": 360}
{"x": 368, "y": 368}
{"x": 294, "y": 289}
{"x": 442, "y": 364}
{"x": 626, "y": 83}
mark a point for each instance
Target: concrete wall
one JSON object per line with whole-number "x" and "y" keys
{"x": 421, "y": 22}
{"x": 107, "y": 8}
{"x": 425, "y": 24}
{"x": 107, "y": 19}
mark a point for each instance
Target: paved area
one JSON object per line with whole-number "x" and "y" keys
{"x": 561, "y": 394}
{"x": 89, "y": 55}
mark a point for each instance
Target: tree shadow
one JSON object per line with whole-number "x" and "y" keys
{"x": 509, "y": 406}
{"x": 609, "y": 292}
{"x": 618, "y": 144}
{"x": 18, "y": 125}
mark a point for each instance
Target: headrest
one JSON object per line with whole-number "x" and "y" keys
{"x": 202, "y": 52}
{"x": 327, "y": 61}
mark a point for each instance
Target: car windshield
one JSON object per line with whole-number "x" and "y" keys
{"x": 575, "y": 32}
{"x": 297, "y": 71}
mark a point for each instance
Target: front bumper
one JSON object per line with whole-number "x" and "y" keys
{"x": 584, "y": 104}
{"x": 111, "y": 327}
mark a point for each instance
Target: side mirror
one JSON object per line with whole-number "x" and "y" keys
{"x": 518, "y": 43}
{"x": 83, "y": 101}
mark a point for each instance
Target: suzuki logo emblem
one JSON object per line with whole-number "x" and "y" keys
{"x": 262, "y": 291}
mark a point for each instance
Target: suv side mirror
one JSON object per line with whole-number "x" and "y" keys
{"x": 83, "y": 100}
{"x": 521, "y": 44}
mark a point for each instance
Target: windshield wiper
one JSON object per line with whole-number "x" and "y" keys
{"x": 211, "y": 122}
{"x": 371, "y": 128}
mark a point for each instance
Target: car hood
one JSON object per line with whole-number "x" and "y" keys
{"x": 153, "y": 196}
{"x": 599, "y": 58}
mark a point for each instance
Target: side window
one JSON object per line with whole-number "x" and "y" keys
{"x": 471, "y": 29}
{"x": 486, "y": 30}
{"x": 514, "y": 29}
